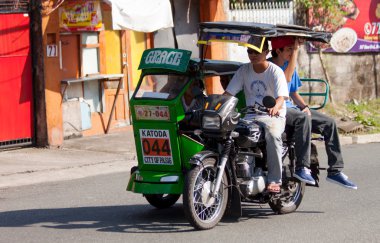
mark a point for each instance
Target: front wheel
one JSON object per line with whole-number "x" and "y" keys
{"x": 162, "y": 200}
{"x": 290, "y": 198}
{"x": 201, "y": 209}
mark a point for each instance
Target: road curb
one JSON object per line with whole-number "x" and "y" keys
{"x": 368, "y": 138}
{"x": 359, "y": 139}
{"x": 63, "y": 174}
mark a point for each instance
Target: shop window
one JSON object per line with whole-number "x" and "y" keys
{"x": 90, "y": 53}
{"x": 90, "y": 66}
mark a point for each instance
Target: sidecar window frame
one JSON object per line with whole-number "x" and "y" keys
{"x": 174, "y": 90}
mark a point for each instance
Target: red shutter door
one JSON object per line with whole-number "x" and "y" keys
{"x": 16, "y": 90}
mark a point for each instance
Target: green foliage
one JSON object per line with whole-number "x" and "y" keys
{"x": 329, "y": 5}
{"x": 327, "y": 15}
{"x": 366, "y": 113}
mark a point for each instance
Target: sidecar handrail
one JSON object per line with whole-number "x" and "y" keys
{"x": 321, "y": 94}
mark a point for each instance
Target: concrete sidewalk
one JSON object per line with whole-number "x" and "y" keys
{"x": 77, "y": 158}
{"x": 83, "y": 157}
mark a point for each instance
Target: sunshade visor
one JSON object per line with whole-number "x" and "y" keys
{"x": 241, "y": 32}
{"x": 254, "y": 42}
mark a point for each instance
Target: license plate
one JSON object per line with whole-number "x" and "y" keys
{"x": 155, "y": 146}
{"x": 145, "y": 112}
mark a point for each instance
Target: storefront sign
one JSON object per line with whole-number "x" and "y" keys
{"x": 357, "y": 31}
{"x": 166, "y": 58}
{"x": 80, "y": 16}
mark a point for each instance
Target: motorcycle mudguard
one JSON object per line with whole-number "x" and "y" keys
{"x": 199, "y": 157}
{"x": 314, "y": 164}
{"x": 234, "y": 209}
{"x": 189, "y": 147}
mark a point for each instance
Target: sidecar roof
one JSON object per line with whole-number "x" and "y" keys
{"x": 250, "y": 34}
{"x": 235, "y": 29}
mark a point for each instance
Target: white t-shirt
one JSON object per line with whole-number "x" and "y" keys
{"x": 258, "y": 85}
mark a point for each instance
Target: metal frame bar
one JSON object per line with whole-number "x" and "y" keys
{"x": 311, "y": 94}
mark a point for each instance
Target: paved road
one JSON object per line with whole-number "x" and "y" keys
{"x": 97, "y": 209}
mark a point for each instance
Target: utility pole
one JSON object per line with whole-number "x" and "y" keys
{"x": 36, "y": 46}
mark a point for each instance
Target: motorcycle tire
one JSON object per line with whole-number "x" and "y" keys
{"x": 289, "y": 199}
{"x": 162, "y": 200}
{"x": 203, "y": 211}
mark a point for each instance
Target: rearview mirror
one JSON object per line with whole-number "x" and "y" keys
{"x": 269, "y": 102}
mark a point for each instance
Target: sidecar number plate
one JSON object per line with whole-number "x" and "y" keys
{"x": 155, "y": 145}
{"x": 146, "y": 112}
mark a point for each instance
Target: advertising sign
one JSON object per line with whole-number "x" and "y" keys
{"x": 80, "y": 16}
{"x": 357, "y": 31}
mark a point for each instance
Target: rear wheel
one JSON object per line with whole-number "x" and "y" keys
{"x": 289, "y": 199}
{"x": 162, "y": 200}
{"x": 201, "y": 209}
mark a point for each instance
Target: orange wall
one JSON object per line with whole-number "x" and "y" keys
{"x": 52, "y": 82}
{"x": 110, "y": 63}
{"x": 212, "y": 10}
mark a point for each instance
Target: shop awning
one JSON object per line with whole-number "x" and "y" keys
{"x": 141, "y": 15}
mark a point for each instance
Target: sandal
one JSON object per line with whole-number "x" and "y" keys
{"x": 274, "y": 188}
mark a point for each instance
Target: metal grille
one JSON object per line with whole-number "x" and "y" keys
{"x": 259, "y": 11}
{"x": 262, "y": 12}
{"x": 14, "y": 6}
{"x": 15, "y": 143}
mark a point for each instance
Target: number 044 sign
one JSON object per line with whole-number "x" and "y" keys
{"x": 155, "y": 146}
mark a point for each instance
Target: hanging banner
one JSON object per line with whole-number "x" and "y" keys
{"x": 141, "y": 15}
{"x": 357, "y": 31}
{"x": 80, "y": 16}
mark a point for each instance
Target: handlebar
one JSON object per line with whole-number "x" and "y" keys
{"x": 255, "y": 110}
{"x": 192, "y": 112}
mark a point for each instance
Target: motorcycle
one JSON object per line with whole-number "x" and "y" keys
{"x": 232, "y": 168}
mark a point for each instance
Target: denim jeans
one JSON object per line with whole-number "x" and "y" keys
{"x": 320, "y": 124}
{"x": 274, "y": 127}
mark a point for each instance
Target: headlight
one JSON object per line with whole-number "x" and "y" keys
{"x": 211, "y": 122}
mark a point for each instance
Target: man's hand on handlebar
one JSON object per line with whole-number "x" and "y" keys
{"x": 273, "y": 111}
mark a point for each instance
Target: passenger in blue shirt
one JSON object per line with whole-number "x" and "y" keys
{"x": 305, "y": 121}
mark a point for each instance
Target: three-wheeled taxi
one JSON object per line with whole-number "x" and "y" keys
{"x": 163, "y": 148}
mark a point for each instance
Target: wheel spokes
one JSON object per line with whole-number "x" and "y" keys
{"x": 291, "y": 193}
{"x": 205, "y": 212}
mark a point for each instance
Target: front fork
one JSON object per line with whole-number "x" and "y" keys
{"x": 221, "y": 167}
